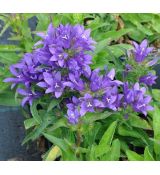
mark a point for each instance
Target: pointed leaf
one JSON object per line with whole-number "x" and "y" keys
{"x": 147, "y": 154}
{"x": 133, "y": 156}
{"x": 35, "y": 113}
{"x": 108, "y": 135}
{"x": 115, "y": 150}
{"x": 138, "y": 122}
{"x": 156, "y": 127}
{"x": 53, "y": 153}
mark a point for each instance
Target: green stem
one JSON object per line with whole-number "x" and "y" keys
{"x": 79, "y": 137}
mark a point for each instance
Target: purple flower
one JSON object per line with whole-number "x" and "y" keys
{"x": 75, "y": 82}
{"x": 108, "y": 80}
{"x": 148, "y": 79}
{"x": 60, "y": 63}
{"x": 88, "y": 104}
{"x": 111, "y": 99}
{"x": 96, "y": 80}
{"x": 142, "y": 105}
{"x": 29, "y": 95}
{"x": 128, "y": 67}
{"x": 52, "y": 83}
{"x": 136, "y": 98}
{"x": 58, "y": 55}
{"x": 43, "y": 57}
{"x": 73, "y": 116}
{"x": 19, "y": 77}
{"x": 104, "y": 83}
{"x": 25, "y": 72}
{"x": 141, "y": 51}
{"x": 152, "y": 62}
{"x": 65, "y": 43}
{"x": 73, "y": 113}
{"x": 128, "y": 94}
{"x": 75, "y": 103}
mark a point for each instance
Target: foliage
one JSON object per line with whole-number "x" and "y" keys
{"x": 103, "y": 135}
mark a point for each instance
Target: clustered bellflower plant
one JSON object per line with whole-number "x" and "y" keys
{"x": 60, "y": 68}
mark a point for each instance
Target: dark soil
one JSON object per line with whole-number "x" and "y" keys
{"x": 12, "y": 133}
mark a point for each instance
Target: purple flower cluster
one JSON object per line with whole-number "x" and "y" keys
{"x": 60, "y": 64}
{"x": 59, "y": 60}
{"x": 66, "y": 47}
{"x": 99, "y": 92}
{"x": 136, "y": 98}
{"x": 148, "y": 79}
{"x": 141, "y": 51}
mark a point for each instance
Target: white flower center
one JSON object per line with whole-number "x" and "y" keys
{"x": 56, "y": 86}
{"x": 143, "y": 105}
{"x": 65, "y": 37}
{"x": 83, "y": 36}
{"x": 89, "y": 104}
{"x": 19, "y": 76}
{"x": 72, "y": 114}
{"x": 108, "y": 99}
{"x": 60, "y": 55}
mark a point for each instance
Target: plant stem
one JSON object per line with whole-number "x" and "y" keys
{"x": 79, "y": 138}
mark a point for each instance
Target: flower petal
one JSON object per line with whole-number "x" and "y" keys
{"x": 111, "y": 74}
{"x": 42, "y": 84}
{"x": 58, "y": 94}
{"x": 24, "y": 101}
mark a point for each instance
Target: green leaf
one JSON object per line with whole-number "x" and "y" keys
{"x": 45, "y": 120}
{"x": 90, "y": 132}
{"x": 28, "y": 123}
{"x": 133, "y": 156}
{"x": 78, "y": 17}
{"x": 4, "y": 28}
{"x": 138, "y": 122}
{"x": 53, "y": 153}
{"x": 9, "y": 58}
{"x": 62, "y": 122}
{"x": 92, "y": 117}
{"x": 156, "y": 127}
{"x": 137, "y": 35}
{"x": 53, "y": 104}
{"x": 37, "y": 132}
{"x": 124, "y": 145}
{"x": 147, "y": 155}
{"x": 111, "y": 153}
{"x": 108, "y": 135}
{"x": 57, "y": 141}
{"x": 35, "y": 113}
{"x": 115, "y": 150}
{"x": 155, "y": 23}
{"x": 125, "y": 131}
{"x": 7, "y": 98}
{"x": 106, "y": 140}
{"x": 92, "y": 153}
{"x": 156, "y": 94}
{"x": 10, "y": 48}
{"x": 15, "y": 38}
{"x": 101, "y": 45}
{"x": 43, "y": 21}
{"x": 67, "y": 152}
{"x": 29, "y": 136}
{"x": 115, "y": 35}
{"x": 134, "y": 132}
